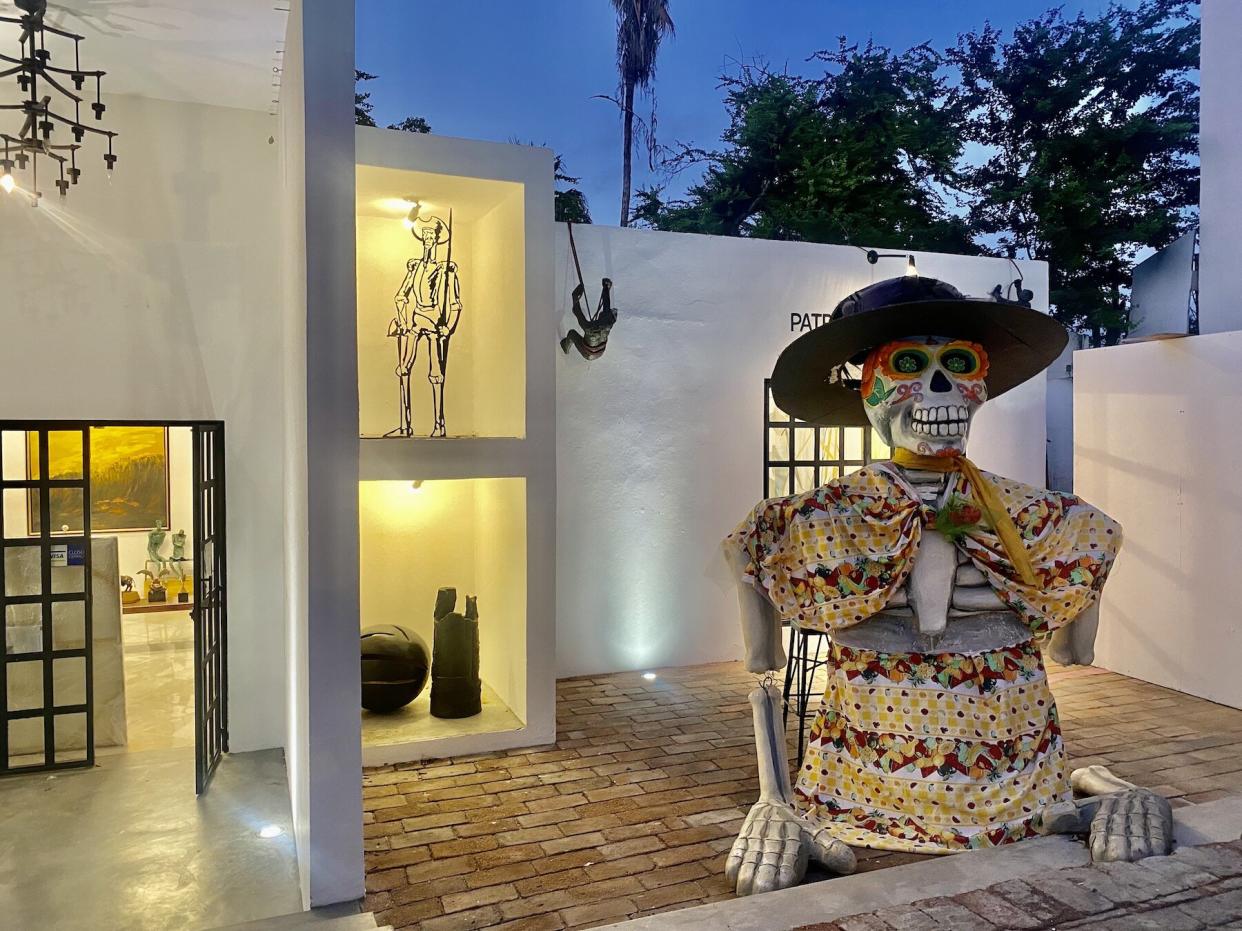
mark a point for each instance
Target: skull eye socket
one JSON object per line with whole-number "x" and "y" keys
{"x": 907, "y": 363}
{"x": 960, "y": 361}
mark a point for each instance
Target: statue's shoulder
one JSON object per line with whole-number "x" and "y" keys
{"x": 1021, "y": 497}
{"x": 847, "y": 492}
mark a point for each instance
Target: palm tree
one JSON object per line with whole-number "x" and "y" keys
{"x": 641, "y": 26}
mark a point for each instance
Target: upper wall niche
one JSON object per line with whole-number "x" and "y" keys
{"x": 444, "y": 334}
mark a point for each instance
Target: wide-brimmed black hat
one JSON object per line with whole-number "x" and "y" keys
{"x": 810, "y": 381}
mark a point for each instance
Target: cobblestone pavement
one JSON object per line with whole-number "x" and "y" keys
{"x": 1196, "y": 887}
{"x": 634, "y": 809}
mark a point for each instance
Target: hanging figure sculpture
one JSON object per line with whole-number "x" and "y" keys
{"x": 428, "y": 308}
{"x": 593, "y": 339}
{"x": 941, "y": 587}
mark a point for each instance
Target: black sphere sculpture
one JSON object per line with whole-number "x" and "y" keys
{"x": 395, "y": 663}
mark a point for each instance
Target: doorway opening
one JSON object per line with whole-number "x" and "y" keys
{"x": 112, "y": 587}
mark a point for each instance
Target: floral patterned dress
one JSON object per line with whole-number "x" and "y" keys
{"x": 926, "y": 752}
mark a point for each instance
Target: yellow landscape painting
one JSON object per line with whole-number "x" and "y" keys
{"x": 129, "y": 478}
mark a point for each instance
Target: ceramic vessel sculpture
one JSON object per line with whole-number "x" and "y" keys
{"x": 456, "y": 691}
{"x": 395, "y": 663}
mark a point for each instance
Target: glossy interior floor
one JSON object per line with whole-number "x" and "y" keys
{"x": 126, "y": 845}
{"x": 159, "y": 680}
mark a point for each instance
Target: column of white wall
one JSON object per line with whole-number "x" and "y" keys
{"x": 324, "y": 725}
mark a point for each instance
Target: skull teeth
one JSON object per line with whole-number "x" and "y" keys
{"x": 947, "y": 420}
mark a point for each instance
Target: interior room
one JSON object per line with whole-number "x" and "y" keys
{"x": 417, "y": 538}
{"x": 150, "y": 292}
{"x": 142, "y": 586}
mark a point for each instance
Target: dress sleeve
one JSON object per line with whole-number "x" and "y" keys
{"x": 763, "y": 540}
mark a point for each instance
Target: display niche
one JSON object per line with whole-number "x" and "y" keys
{"x": 443, "y": 603}
{"x": 441, "y": 305}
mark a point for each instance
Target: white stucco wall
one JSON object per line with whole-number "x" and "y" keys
{"x": 154, "y": 296}
{"x": 659, "y": 442}
{"x": 1157, "y": 447}
{"x": 324, "y": 727}
{"x": 1220, "y": 140}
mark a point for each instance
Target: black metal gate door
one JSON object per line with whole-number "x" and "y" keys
{"x": 46, "y": 683}
{"x": 211, "y": 681}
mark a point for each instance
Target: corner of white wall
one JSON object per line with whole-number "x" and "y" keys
{"x": 323, "y": 751}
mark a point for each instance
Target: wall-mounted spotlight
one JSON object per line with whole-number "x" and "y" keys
{"x": 874, "y": 257}
{"x": 412, "y": 217}
{"x": 416, "y": 486}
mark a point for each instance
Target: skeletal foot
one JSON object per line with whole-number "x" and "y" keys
{"x": 774, "y": 846}
{"x": 1123, "y": 821}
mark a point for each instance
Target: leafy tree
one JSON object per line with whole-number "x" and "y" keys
{"x": 362, "y": 101}
{"x": 1090, "y": 132}
{"x": 412, "y": 124}
{"x": 641, "y": 27}
{"x": 861, "y": 154}
{"x": 571, "y": 204}
{"x": 363, "y": 109}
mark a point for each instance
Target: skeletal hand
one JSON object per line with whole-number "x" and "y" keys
{"x": 1126, "y": 825}
{"x": 774, "y": 846}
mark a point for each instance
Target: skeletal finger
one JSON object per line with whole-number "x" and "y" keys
{"x": 736, "y": 855}
{"x": 746, "y": 872}
{"x": 765, "y": 871}
{"x": 1100, "y": 827}
{"x": 793, "y": 858}
{"x": 745, "y": 840}
{"x": 1136, "y": 827}
{"x": 830, "y": 853}
{"x": 770, "y": 842}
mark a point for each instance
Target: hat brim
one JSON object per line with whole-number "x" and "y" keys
{"x": 1020, "y": 343}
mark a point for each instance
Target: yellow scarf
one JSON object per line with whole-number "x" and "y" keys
{"x": 986, "y": 498}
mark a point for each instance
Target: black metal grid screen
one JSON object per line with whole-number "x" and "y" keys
{"x": 211, "y": 684}
{"x": 798, "y": 456}
{"x": 45, "y": 659}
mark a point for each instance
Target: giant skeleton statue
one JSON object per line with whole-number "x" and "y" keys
{"x": 937, "y": 584}
{"x": 434, "y": 291}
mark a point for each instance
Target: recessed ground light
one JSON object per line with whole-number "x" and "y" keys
{"x": 649, "y": 676}
{"x": 271, "y": 830}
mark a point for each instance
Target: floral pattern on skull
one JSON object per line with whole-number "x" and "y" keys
{"x": 921, "y": 392}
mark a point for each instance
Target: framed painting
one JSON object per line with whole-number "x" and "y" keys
{"x": 129, "y": 479}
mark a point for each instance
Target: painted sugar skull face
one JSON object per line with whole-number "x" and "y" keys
{"x": 921, "y": 392}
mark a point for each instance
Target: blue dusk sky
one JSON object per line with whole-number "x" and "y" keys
{"x": 528, "y": 70}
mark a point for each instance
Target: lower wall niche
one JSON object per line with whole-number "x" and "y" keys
{"x": 417, "y": 537}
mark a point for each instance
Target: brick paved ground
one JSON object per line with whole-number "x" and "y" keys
{"x": 634, "y": 808}
{"x": 1197, "y": 887}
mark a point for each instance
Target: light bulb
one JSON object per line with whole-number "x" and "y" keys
{"x": 912, "y": 270}
{"x": 7, "y": 183}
